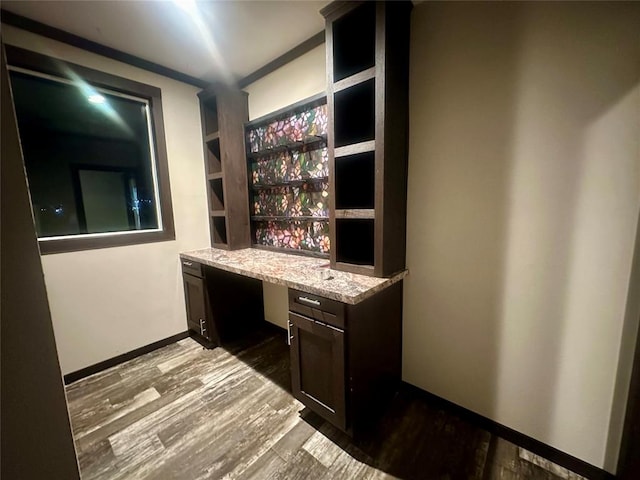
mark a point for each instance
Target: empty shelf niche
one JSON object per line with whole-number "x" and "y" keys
{"x": 213, "y": 156}
{"x": 354, "y": 241}
{"x": 219, "y": 231}
{"x": 217, "y": 196}
{"x": 354, "y": 41}
{"x": 210, "y": 115}
{"x": 354, "y": 119}
{"x": 355, "y": 181}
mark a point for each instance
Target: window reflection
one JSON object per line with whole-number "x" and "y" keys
{"x": 89, "y": 158}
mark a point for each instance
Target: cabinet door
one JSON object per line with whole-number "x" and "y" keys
{"x": 195, "y": 299}
{"x": 317, "y": 367}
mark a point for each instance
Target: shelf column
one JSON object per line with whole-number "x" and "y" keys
{"x": 367, "y": 45}
{"x": 224, "y": 111}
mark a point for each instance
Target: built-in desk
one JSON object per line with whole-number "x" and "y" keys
{"x": 345, "y": 329}
{"x": 294, "y": 271}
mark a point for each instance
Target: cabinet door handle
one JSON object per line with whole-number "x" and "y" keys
{"x": 310, "y": 301}
{"x": 187, "y": 264}
{"x": 331, "y": 327}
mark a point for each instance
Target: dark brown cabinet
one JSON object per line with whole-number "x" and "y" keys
{"x": 199, "y": 317}
{"x": 346, "y": 359}
{"x": 313, "y": 344}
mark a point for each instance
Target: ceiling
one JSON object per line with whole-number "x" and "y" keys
{"x": 209, "y": 40}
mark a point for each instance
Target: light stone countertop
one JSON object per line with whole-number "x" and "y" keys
{"x": 295, "y": 271}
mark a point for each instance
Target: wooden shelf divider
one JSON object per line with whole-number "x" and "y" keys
{"x": 354, "y": 148}
{"x": 364, "y": 213}
{"x": 353, "y": 80}
{"x": 212, "y": 136}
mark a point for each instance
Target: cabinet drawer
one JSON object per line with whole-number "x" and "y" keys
{"x": 191, "y": 267}
{"x": 320, "y": 308}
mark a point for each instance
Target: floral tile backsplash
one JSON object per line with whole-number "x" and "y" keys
{"x": 289, "y": 166}
{"x": 291, "y": 183}
{"x": 298, "y": 235}
{"x": 295, "y": 128}
{"x": 308, "y": 199}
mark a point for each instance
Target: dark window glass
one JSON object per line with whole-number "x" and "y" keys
{"x": 88, "y": 156}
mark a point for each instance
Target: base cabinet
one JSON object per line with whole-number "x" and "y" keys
{"x": 315, "y": 343}
{"x": 194, "y": 298}
{"x": 346, "y": 359}
{"x": 199, "y": 317}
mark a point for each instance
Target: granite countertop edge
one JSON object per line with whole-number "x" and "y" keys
{"x": 313, "y": 285}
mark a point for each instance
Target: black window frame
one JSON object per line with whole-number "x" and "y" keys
{"x": 36, "y": 62}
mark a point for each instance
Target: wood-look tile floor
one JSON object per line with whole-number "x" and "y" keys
{"x": 183, "y": 412}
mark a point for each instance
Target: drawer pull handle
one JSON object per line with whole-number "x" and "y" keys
{"x": 187, "y": 264}
{"x": 310, "y": 301}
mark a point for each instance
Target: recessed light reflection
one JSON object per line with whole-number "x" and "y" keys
{"x": 96, "y": 98}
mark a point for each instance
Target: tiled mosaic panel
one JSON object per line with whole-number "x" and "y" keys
{"x": 297, "y": 235}
{"x": 295, "y": 128}
{"x": 308, "y": 199}
{"x": 290, "y": 166}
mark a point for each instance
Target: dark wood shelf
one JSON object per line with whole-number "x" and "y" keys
{"x": 224, "y": 112}
{"x": 361, "y": 213}
{"x": 212, "y": 136}
{"x": 354, "y": 80}
{"x": 289, "y": 183}
{"x": 367, "y": 97}
{"x": 267, "y": 218}
{"x": 319, "y": 139}
{"x": 362, "y": 147}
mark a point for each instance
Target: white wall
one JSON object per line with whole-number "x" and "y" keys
{"x": 110, "y": 301}
{"x": 303, "y": 77}
{"x": 295, "y": 81}
{"x": 523, "y": 200}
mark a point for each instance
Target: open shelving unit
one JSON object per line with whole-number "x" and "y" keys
{"x": 367, "y": 70}
{"x": 287, "y": 159}
{"x": 223, "y": 113}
